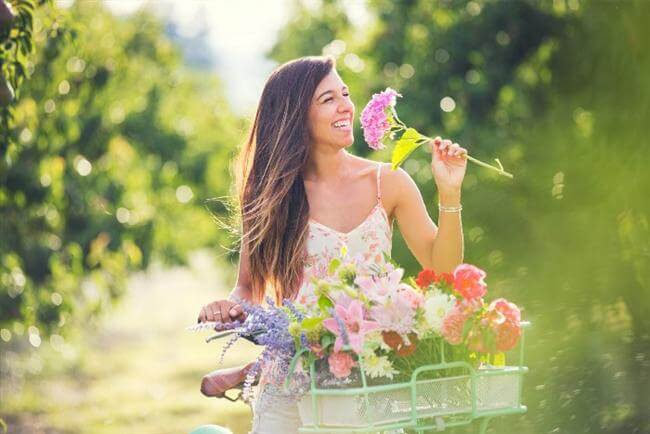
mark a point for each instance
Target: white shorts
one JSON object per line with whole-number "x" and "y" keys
{"x": 275, "y": 412}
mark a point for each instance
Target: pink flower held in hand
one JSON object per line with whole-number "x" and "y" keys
{"x": 340, "y": 364}
{"x": 374, "y": 120}
{"x": 468, "y": 281}
{"x": 355, "y": 327}
{"x": 452, "y": 326}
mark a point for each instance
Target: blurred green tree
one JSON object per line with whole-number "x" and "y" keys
{"x": 119, "y": 146}
{"x": 16, "y": 45}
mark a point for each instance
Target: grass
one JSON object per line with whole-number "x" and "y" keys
{"x": 138, "y": 372}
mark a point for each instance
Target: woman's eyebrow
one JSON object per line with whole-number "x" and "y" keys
{"x": 330, "y": 91}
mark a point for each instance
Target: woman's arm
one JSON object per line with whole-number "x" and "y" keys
{"x": 228, "y": 310}
{"x": 439, "y": 248}
{"x": 242, "y": 289}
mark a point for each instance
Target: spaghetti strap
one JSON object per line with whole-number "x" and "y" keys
{"x": 378, "y": 186}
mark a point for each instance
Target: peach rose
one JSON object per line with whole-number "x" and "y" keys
{"x": 452, "y": 326}
{"x": 340, "y": 364}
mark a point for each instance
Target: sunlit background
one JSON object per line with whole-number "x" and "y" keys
{"x": 118, "y": 140}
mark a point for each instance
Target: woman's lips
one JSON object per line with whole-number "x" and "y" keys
{"x": 348, "y": 128}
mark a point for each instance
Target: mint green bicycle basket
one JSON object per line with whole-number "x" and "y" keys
{"x": 419, "y": 405}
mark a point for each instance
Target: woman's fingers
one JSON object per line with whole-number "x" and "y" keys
{"x": 236, "y": 312}
{"x": 202, "y": 317}
{"x": 448, "y": 148}
{"x": 224, "y": 312}
{"x": 210, "y": 312}
{"x": 443, "y": 147}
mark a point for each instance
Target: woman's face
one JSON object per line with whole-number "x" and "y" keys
{"x": 331, "y": 113}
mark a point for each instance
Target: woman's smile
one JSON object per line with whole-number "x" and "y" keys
{"x": 343, "y": 125}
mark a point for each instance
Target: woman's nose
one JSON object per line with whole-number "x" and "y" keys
{"x": 346, "y": 106}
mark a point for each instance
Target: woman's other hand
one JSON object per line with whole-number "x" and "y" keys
{"x": 223, "y": 311}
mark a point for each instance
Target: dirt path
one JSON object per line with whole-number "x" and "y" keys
{"x": 139, "y": 374}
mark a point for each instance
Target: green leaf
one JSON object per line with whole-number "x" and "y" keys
{"x": 324, "y": 303}
{"x": 404, "y": 146}
{"x": 467, "y": 327}
{"x": 326, "y": 341}
{"x": 312, "y": 323}
{"x": 334, "y": 264}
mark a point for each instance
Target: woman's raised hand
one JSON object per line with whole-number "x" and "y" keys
{"x": 448, "y": 164}
{"x": 223, "y": 311}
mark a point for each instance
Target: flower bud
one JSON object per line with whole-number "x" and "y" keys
{"x": 294, "y": 329}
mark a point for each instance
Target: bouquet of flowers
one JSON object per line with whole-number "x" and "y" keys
{"x": 379, "y": 120}
{"x": 389, "y": 323}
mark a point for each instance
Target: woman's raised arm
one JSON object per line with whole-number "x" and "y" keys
{"x": 440, "y": 248}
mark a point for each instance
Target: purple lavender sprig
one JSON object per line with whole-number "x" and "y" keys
{"x": 342, "y": 328}
{"x": 299, "y": 316}
{"x": 304, "y": 342}
{"x": 228, "y": 345}
{"x": 253, "y": 372}
{"x": 270, "y": 326}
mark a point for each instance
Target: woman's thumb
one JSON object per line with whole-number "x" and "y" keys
{"x": 235, "y": 311}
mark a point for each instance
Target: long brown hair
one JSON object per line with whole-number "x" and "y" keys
{"x": 273, "y": 205}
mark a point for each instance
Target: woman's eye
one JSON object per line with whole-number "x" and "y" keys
{"x": 330, "y": 98}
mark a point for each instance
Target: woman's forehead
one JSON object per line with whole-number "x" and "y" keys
{"x": 331, "y": 82}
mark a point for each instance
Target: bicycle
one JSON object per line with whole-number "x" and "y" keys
{"x": 419, "y": 405}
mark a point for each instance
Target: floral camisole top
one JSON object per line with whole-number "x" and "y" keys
{"x": 366, "y": 243}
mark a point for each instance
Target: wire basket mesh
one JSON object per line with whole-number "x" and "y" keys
{"x": 435, "y": 397}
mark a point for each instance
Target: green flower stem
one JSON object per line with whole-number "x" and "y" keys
{"x": 401, "y": 126}
{"x": 499, "y": 169}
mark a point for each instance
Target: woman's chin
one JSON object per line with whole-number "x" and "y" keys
{"x": 348, "y": 141}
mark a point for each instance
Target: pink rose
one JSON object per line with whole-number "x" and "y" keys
{"x": 469, "y": 306}
{"x": 509, "y": 310}
{"x": 508, "y": 335}
{"x": 340, "y": 364}
{"x": 452, "y": 326}
{"x": 468, "y": 281}
{"x": 505, "y": 322}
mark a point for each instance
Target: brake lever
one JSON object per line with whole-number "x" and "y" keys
{"x": 239, "y": 396}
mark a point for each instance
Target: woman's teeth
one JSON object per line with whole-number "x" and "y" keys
{"x": 342, "y": 124}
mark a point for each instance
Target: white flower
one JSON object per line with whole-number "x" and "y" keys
{"x": 377, "y": 366}
{"x": 436, "y": 306}
{"x": 375, "y": 341}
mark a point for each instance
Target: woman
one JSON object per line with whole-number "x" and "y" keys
{"x": 302, "y": 196}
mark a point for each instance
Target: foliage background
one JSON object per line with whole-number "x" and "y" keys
{"x": 116, "y": 143}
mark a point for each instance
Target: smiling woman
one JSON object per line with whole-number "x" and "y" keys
{"x": 302, "y": 199}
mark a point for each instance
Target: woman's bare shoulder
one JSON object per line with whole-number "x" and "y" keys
{"x": 392, "y": 182}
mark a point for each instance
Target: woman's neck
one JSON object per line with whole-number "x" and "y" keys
{"x": 327, "y": 165}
